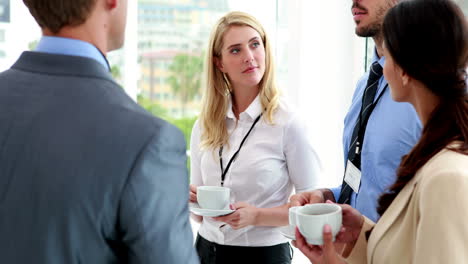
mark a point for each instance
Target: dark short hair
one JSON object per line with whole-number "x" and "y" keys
{"x": 55, "y": 14}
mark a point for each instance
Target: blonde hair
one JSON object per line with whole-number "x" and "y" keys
{"x": 217, "y": 94}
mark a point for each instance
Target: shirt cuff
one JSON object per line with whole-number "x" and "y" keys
{"x": 336, "y": 192}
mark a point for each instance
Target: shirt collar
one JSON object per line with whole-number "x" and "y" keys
{"x": 230, "y": 113}
{"x": 375, "y": 58}
{"x": 253, "y": 111}
{"x": 383, "y": 82}
{"x": 73, "y": 47}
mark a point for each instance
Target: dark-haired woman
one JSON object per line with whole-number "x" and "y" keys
{"x": 424, "y": 213}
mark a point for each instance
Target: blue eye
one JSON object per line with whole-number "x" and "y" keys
{"x": 256, "y": 44}
{"x": 235, "y": 51}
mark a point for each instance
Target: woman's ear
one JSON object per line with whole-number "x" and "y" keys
{"x": 405, "y": 78}
{"x": 218, "y": 63}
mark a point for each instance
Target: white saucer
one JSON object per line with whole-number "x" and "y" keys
{"x": 195, "y": 208}
{"x": 288, "y": 232}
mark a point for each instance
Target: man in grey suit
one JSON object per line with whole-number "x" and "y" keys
{"x": 86, "y": 175}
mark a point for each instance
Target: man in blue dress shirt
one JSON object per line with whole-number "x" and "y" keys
{"x": 392, "y": 129}
{"x": 86, "y": 174}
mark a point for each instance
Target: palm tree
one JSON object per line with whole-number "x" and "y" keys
{"x": 185, "y": 77}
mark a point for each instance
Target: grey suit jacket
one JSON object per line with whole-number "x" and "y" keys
{"x": 87, "y": 175}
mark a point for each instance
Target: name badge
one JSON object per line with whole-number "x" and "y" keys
{"x": 353, "y": 176}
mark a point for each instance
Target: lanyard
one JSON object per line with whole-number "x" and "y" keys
{"x": 363, "y": 124}
{"x": 224, "y": 172}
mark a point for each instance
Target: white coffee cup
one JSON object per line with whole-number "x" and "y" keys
{"x": 312, "y": 218}
{"x": 292, "y": 216}
{"x": 213, "y": 197}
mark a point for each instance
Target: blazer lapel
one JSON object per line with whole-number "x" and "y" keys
{"x": 389, "y": 217}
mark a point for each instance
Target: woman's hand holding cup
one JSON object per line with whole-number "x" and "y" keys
{"x": 193, "y": 193}
{"x": 329, "y": 252}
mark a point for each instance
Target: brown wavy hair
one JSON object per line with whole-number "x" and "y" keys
{"x": 55, "y": 14}
{"x": 428, "y": 39}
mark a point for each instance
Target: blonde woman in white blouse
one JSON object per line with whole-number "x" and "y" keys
{"x": 275, "y": 158}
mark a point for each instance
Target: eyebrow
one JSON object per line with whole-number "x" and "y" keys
{"x": 236, "y": 45}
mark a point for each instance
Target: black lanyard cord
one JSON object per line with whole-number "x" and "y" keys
{"x": 224, "y": 172}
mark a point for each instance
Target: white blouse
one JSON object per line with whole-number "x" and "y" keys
{"x": 274, "y": 159}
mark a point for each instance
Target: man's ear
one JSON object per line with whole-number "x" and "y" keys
{"x": 112, "y": 3}
{"x": 218, "y": 63}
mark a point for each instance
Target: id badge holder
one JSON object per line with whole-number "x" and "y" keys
{"x": 353, "y": 176}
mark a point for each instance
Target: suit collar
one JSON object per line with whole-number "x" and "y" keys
{"x": 56, "y": 64}
{"x": 73, "y": 47}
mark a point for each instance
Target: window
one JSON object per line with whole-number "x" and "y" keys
{"x": 464, "y": 5}
{"x": 5, "y": 11}
{"x": 175, "y": 38}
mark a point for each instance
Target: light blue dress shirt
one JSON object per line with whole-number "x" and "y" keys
{"x": 73, "y": 47}
{"x": 393, "y": 129}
